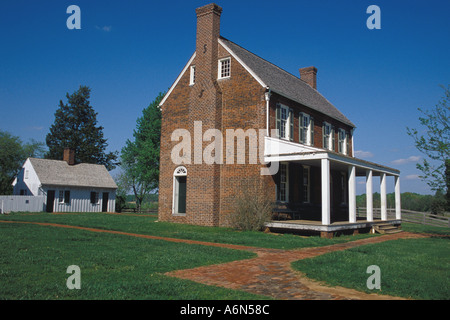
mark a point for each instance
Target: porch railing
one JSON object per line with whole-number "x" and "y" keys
{"x": 410, "y": 216}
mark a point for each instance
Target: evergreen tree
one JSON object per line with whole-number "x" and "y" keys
{"x": 76, "y": 127}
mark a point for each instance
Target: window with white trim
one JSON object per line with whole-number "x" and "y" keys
{"x": 328, "y": 136}
{"x": 64, "y": 196}
{"x": 306, "y": 129}
{"x": 342, "y": 141}
{"x": 224, "y": 68}
{"x": 284, "y": 122}
{"x": 283, "y": 186}
{"x": 192, "y": 76}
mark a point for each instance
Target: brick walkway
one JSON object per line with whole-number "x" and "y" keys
{"x": 268, "y": 274}
{"x": 271, "y": 274}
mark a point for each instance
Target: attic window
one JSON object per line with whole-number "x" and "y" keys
{"x": 192, "y": 76}
{"x": 224, "y": 68}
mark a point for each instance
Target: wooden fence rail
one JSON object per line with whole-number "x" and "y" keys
{"x": 411, "y": 216}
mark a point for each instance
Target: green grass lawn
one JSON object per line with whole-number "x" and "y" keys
{"x": 148, "y": 224}
{"x": 410, "y": 268}
{"x": 34, "y": 259}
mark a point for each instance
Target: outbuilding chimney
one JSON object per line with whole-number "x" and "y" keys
{"x": 69, "y": 156}
{"x": 309, "y": 75}
{"x": 208, "y": 32}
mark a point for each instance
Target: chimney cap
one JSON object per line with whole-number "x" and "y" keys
{"x": 308, "y": 69}
{"x": 209, "y": 8}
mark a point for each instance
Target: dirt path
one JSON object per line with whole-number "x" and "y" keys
{"x": 269, "y": 274}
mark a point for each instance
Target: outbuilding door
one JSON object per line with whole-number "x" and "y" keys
{"x": 50, "y": 200}
{"x": 105, "y": 202}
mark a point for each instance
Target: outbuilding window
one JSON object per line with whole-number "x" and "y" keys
{"x": 94, "y": 197}
{"x": 64, "y": 196}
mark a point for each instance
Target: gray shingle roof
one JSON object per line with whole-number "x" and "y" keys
{"x": 55, "y": 172}
{"x": 286, "y": 84}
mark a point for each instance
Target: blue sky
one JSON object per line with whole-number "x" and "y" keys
{"x": 129, "y": 51}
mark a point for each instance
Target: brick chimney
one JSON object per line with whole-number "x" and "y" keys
{"x": 208, "y": 32}
{"x": 309, "y": 75}
{"x": 69, "y": 156}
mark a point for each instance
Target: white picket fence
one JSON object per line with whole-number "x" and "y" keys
{"x": 22, "y": 204}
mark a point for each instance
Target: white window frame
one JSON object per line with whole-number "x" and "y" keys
{"x": 305, "y": 132}
{"x": 192, "y": 75}
{"x": 307, "y": 186}
{"x": 342, "y": 141}
{"x": 285, "y": 125}
{"x": 61, "y": 196}
{"x": 222, "y": 73}
{"x": 327, "y": 137}
{"x": 284, "y": 166}
{"x": 179, "y": 172}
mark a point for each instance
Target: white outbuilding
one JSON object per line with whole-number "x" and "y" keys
{"x": 66, "y": 186}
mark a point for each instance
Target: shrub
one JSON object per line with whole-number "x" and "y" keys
{"x": 252, "y": 208}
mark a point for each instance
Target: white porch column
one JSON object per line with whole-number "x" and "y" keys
{"x": 398, "y": 208}
{"x": 325, "y": 173}
{"x": 369, "y": 195}
{"x": 352, "y": 194}
{"x": 383, "y": 196}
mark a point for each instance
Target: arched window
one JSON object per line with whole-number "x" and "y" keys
{"x": 179, "y": 190}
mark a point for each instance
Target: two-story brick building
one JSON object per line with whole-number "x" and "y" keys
{"x": 307, "y": 142}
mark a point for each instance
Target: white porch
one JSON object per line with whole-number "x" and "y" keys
{"x": 277, "y": 150}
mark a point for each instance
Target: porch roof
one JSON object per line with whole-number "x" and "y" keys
{"x": 312, "y": 156}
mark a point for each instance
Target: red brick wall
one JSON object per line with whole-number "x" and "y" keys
{"x": 319, "y": 118}
{"x": 233, "y": 103}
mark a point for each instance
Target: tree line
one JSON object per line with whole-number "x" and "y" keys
{"x": 76, "y": 127}
{"x": 409, "y": 201}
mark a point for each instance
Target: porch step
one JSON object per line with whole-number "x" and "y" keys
{"x": 386, "y": 228}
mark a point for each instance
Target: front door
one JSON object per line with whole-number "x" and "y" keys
{"x": 181, "y": 194}
{"x": 50, "y": 200}
{"x": 105, "y": 202}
